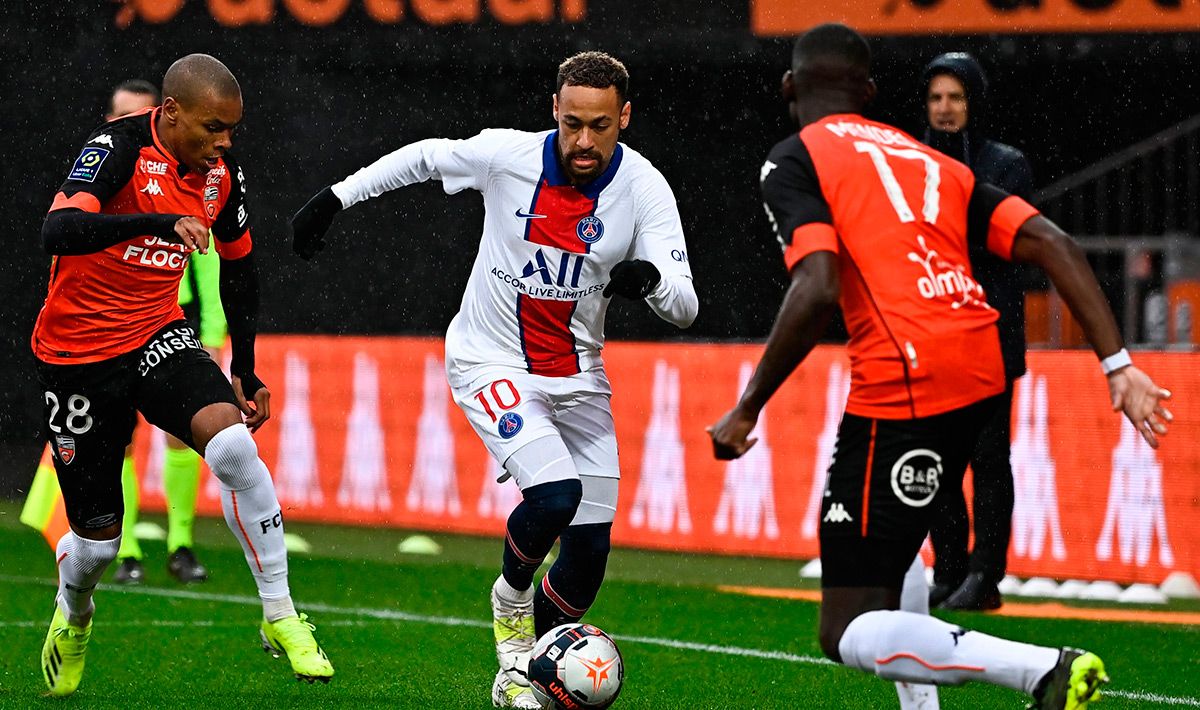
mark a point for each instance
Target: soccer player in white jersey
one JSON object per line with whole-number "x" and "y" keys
{"x": 572, "y": 217}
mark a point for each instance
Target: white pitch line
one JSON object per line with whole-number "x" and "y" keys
{"x": 390, "y": 615}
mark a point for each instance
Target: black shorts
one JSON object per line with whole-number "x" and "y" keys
{"x": 882, "y": 484}
{"x": 91, "y": 410}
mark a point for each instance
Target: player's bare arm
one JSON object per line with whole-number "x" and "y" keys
{"x": 807, "y": 307}
{"x": 1041, "y": 242}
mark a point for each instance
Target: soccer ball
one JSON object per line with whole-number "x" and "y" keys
{"x": 576, "y": 667}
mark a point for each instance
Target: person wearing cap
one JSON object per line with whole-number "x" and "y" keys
{"x": 955, "y": 94}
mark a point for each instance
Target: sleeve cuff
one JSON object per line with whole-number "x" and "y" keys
{"x": 1006, "y": 220}
{"x": 238, "y": 248}
{"x": 79, "y": 201}
{"x": 809, "y": 238}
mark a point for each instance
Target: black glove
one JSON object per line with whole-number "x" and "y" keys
{"x": 312, "y": 221}
{"x": 632, "y": 279}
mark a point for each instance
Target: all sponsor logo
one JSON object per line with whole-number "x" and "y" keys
{"x": 589, "y": 229}
{"x": 943, "y": 279}
{"x": 211, "y": 193}
{"x": 510, "y": 425}
{"x": 87, "y": 165}
{"x": 165, "y": 345}
{"x": 216, "y": 175}
{"x": 661, "y": 501}
{"x": 1136, "y": 516}
{"x": 916, "y": 477}
{"x": 747, "y": 505}
{"x": 153, "y": 167}
{"x": 433, "y": 489}
{"x": 152, "y": 187}
{"x": 102, "y": 139}
{"x": 570, "y": 266}
{"x": 66, "y": 448}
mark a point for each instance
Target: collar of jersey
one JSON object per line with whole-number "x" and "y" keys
{"x": 180, "y": 168}
{"x": 555, "y": 176}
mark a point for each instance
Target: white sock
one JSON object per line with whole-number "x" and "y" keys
{"x": 914, "y": 597}
{"x": 901, "y": 645}
{"x": 251, "y": 509}
{"x": 511, "y": 594}
{"x": 81, "y": 564}
{"x": 276, "y": 609}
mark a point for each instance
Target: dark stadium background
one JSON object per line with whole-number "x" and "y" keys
{"x": 321, "y": 102}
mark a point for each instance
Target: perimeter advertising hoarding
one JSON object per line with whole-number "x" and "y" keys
{"x": 931, "y": 17}
{"x": 365, "y": 433}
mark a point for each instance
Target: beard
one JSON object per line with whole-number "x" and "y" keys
{"x": 581, "y": 176}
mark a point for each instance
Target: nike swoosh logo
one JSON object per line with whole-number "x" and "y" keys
{"x": 529, "y": 215}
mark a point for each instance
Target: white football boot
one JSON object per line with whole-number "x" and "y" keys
{"x": 514, "y": 631}
{"x": 507, "y": 694}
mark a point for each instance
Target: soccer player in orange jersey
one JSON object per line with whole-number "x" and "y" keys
{"x": 871, "y": 219}
{"x": 111, "y": 341}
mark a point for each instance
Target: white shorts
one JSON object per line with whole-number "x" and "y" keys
{"x": 511, "y": 409}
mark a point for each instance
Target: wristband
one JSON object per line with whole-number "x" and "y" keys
{"x": 1116, "y": 361}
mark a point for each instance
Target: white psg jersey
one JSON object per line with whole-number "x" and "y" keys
{"x": 534, "y": 299}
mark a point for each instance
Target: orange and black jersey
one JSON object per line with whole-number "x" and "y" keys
{"x": 899, "y": 215}
{"x": 114, "y": 280}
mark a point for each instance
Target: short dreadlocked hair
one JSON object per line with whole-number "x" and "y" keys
{"x": 595, "y": 69}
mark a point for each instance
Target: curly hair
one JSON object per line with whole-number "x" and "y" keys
{"x": 595, "y": 69}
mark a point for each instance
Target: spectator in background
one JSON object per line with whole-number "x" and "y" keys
{"x": 955, "y": 92}
{"x": 131, "y": 96}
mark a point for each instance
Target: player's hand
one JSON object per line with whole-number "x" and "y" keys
{"x": 632, "y": 279}
{"x": 259, "y": 412}
{"x": 192, "y": 234}
{"x": 730, "y": 435}
{"x": 1135, "y": 394}
{"x": 312, "y": 221}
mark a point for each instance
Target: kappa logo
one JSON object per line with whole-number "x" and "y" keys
{"x": 102, "y": 139}
{"x": 510, "y": 425}
{"x": 837, "y": 514}
{"x": 765, "y": 170}
{"x": 66, "y": 448}
{"x": 152, "y": 187}
{"x": 590, "y": 229}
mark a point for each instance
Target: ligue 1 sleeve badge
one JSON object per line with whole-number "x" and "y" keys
{"x": 509, "y": 425}
{"x": 590, "y": 229}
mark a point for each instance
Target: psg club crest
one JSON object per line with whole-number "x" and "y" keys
{"x": 510, "y": 424}
{"x": 66, "y": 448}
{"x": 590, "y": 229}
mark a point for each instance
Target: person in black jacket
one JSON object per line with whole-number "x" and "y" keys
{"x": 955, "y": 96}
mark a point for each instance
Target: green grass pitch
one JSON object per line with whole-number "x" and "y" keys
{"x": 408, "y": 631}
